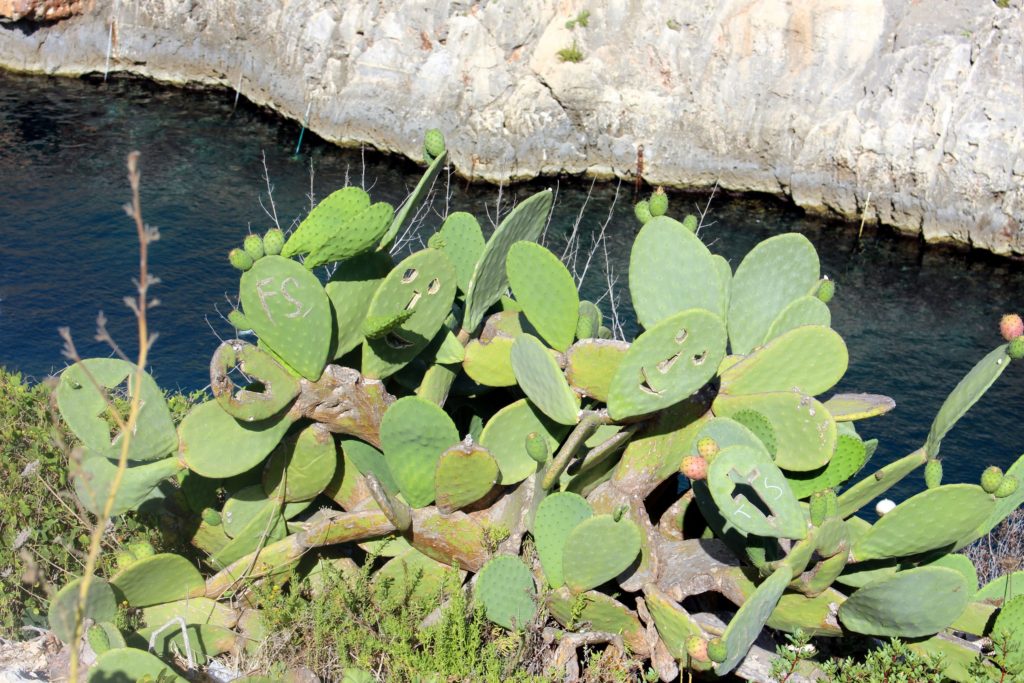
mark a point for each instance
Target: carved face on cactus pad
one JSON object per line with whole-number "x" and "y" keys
{"x": 752, "y": 493}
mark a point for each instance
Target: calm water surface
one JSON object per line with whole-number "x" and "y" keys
{"x": 915, "y": 318}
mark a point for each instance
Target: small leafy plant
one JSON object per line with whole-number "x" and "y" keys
{"x": 572, "y": 53}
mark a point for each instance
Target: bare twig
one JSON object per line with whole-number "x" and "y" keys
{"x": 272, "y": 213}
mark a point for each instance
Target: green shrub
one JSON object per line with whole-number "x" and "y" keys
{"x": 572, "y": 54}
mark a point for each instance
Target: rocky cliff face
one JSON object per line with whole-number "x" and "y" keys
{"x": 917, "y": 104}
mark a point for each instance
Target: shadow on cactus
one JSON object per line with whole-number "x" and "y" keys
{"x": 464, "y": 400}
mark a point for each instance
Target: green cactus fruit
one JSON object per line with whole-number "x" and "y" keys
{"x": 826, "y": 290}
{"x": 967, "y": 392}
{"x": 329, "y": 216}
{"x": 504, "y": 436}
{"x": 691, "y": 223}
{"x": 991, "y": 478}
{"x": 100, "y": 606}
{"x": 823, "y": 506}
{"x": 589, "y": 322}
{"x": 378, "y": 326}
{"x": 911, "y": 603}
{"x": 752, "y": 471}
{"x": 591, "y": 364}
{"x": 124, "y": 559}
{"x": 605, "y": 333}
{"x": 658, "y": 203}
{"x": 240, "y": 259}
{"x": 542, "y": 380}
{"x": 423, "y": 283}
{"x": 694, "y": 467}
{"x": 537, "y": 448}
{"x": 211, "y": 516}
{"x": 238, "y": 320}
{"x": 697, "y": 647}
{"x": 707, "y": 448}
{"x": 597, "y": 550}
{"x": 490, "y": 280}
{"x": 301, "y": 467}
{"x": 131, "y": 664}
{"x": 933, "y": 473}
{"x": 1015, "y": 349}
{"x": 546, "y": 290}
{"x": 716, "y": 650}
{"x": 273, "y": 242}
{"x": 465, "y": 473}
{"x": 557, "y": 516}
{"x": 506, "y": 589}
{"x": 140, "y": 550}
{"x": 661, "y": 251}
{"x": 414, "y": 433}
{"x": 642, "y": 211}
{"x": 433, "y": 143}
{"x": 462, "y": 240}
{"x": 271, "y": 390}
{"x": 667, "y": 363}
{"x": 157, "y": 579}
{"x": 1007, "y": 486}
{"x": 208, "y": 433}
{"x": 253, "y": 246}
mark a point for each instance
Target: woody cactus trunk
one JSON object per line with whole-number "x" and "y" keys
{"x": 465, "y": 398}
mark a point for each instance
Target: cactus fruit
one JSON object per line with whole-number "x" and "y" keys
{"x": 1011, "y": 326}
{"x": 933, "y": 473}
{"x": 691, "y": 223}
{"x": 991, "y": 478}
{"x": 240, "y": 259}
{"x": 433, "y": 144}
{"x": 1015, "y": 349}
{"x": 537, "y": 448}
{"x": 697, "y": 647}
{"x": 273, "y": 242}
{"x": 238, "y": 320}
{"x": 253, "y": 246}
{"x": 826, "y": 290}
{"x": 658, "y": 203}
{"x": 642, "y": 211}
{"x": 823, "y": 506}
{"x": 1006, "y": 487}
{"x": 211, "y": 517}
{"x": 707, "y": 448}
{"x": 695, "y": 467}
{"x": 716, "y": 650}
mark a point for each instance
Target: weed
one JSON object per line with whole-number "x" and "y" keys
{"x": 572, "y": 54}
{"x": 582, "y": 19}
{"x": 894, "y": 661}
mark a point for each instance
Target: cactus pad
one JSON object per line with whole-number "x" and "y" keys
{"x": 350, "y": 290}
{"x": 597, "y": 550}
{"x": 915, "y": 602}
{"x": 159, "y": 579}
{"x": 131, "y": 664}
{"x": 850, "y": 407}
{"x": 100, "y": 605}
{"x": 542, "y": 380}
{"x": 302, "y": 466}
{"x": 675, "y": 625}
{"x": 465, "y": 473}
{"x": 278, "y": 388}
{"x": 727, "y": 432}
{"x": 751, "y": 617}
{"x": 546, "y": 291}
{"x": 807, "y": 310}
{"x": 463, "y": 242}
{"x": 368, "y": 460}
{"x": 809, "y": 359}
{"x": 95, "y": 476}
{"x": 290, "y": 313}
{"x": 739, "y": 472}
{"x": 325, "y": 219}
{"x": 971, "y": 388}
{"x": 216, "y": 445}
{"x": 589, "y": 323}
{"x": 490, "y": 362}
{"x": 413, "y": 434}
{"x": 556, "y": 517}
{"x": 355, "y": 235}
{"x": 413, "y": 201}
{"x": 667, "y": 363}
{"x": 84, "y": 408}
{"x": 505, "y": 434}
{"x": 505, "y": 588}
{"x": 591, "y": 365}
{"x": 849, "y": 457}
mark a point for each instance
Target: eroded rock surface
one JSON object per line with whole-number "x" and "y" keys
{"x": 918, "y": 103}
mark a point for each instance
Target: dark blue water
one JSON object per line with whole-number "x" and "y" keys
{"x": 915, "y": 318}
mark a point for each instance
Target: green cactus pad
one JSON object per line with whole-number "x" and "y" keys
{"x": 505, "y": 434}
{"x": 761, "y": 427}
{"x": 158, "y": 579}
{"x": 930, "y": 520}
{"x": 727, "y": 432}
{"x": 667, "y": 363}
{"x": 376, "y": 327}
{"x": 775, "y": 273}
{"x": 94, "y": 479}
{"x": 751, "y": 617}
{"x": 490, "y": 363}
{"x": 278, "y": 388}
{"x": 850, "y": 407}
{"x": 911, "y": 603}
{"x": 670, "y": 270}
{"x": 809, "y": 359}
{"x": 597, "y": 550}
{"x": 805, "y": 432}
{"x": 103, "y": 636}
{"x": 131, "y": 664}
{"x": 350, "y": 290}
{"x": 290, "y": 313}
{"x": 505, "y": 588}
{"x": 589, "y": 323}
{"x": 807, "y": 310}
{"x": 738, "y": 472}
{"x": 84, "y": 409}
{"x": 463, "y": 242}
{"x": 207, "y": 641}
{"x": 591, "y": 364}
{"x": 542, "y": 380}
{"x": 100, "y": 605}
{"x": 812, "y": 615}
{"x": 194, "y": 610}
{"x": 1010, "y": 619}
{"x": 325, "y": 219}
{"x": 1002, "y": 588}
{"x": 674, "y": 623}
{"x": 849, "y": 457}
{"x": 423, "y": 283}
{"x": 557, "y": 515}
{"x": 489, "y": 281}
{"x": 601, "y": 612}
{"x": 465, "y": 473}
{"x": 355, "y": 235}
{"x": 546, "y": 291}
{"x": 302, "y": 466}
{"x": 724, "y": 271}
{"x": 971, "y": 388}
{"x": 368, "y": 460}
{"x": 960, "y": 563}
{"x": 413, "y": 434}
{"x": 413, "y": 201}
{"x": 415, "y": 575}
{"x": 216, "y": 445}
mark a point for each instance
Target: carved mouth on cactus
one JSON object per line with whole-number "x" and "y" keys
{"x": 744, "y": 493}
{"x": 645, "y": 382}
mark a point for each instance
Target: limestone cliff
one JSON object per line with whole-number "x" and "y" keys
{"x": 919, "y": 103}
